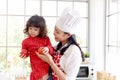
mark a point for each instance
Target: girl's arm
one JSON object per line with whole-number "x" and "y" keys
{"x": 49, "y": 45}
{"x": 48, "y": 58}
{"x": 24, "y": 53}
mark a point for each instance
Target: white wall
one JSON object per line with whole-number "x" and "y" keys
{"x": 97, "y": 33}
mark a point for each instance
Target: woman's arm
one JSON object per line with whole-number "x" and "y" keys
{"x": 48, "y": 58}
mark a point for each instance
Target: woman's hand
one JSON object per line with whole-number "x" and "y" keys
{"x": 45, "y": 49}
{"x": 46, "y": 57}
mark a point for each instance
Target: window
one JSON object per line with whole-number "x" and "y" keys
{"x": 113, "y": 37}
{"x": 13, "y": 17}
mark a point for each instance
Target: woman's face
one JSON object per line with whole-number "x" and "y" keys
{"x": 33, "y": 31}
{"x": 60, "y": 36}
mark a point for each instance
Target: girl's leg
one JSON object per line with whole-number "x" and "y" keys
{"x": 50, "y": 77}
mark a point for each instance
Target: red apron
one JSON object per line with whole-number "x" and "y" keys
{"x": 56, "y": 58}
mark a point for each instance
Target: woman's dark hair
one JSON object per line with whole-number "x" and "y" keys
{"x": 72, "y": 40}
{"x": 38, "y": 22}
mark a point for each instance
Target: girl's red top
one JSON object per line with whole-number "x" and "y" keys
{"x": 29, "y": 46}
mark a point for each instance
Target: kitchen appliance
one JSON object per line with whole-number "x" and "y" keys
{"x": 86, "y": 72}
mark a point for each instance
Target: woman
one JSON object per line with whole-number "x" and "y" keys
{"x": 68, "y": 55}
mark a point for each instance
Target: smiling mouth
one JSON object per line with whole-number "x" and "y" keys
{"x": 56, "y": 38}
{"x": 32, "y": 35}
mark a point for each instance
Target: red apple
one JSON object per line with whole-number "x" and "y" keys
{"x": 40, "y": 51}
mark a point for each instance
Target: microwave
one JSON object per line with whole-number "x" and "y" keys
{"x": 86, "y": 72}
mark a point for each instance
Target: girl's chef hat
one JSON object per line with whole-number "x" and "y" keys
{"x": 67, "y": 22}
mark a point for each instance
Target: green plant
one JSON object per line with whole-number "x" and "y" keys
{"x": 87, "y": 55}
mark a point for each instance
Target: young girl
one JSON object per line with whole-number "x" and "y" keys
{"x": 37, "y": 38}
{"x": 68, "y": 55}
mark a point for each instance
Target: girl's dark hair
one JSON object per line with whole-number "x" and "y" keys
{"x": 72, "y": 40}
{"x": 38, "y": 22}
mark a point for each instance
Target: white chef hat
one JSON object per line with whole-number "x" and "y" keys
{"x": 68, "y": 21}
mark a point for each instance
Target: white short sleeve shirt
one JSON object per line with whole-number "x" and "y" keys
{"x": 70, "y": 62}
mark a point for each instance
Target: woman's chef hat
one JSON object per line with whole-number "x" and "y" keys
{"x": 67, "y": 22}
